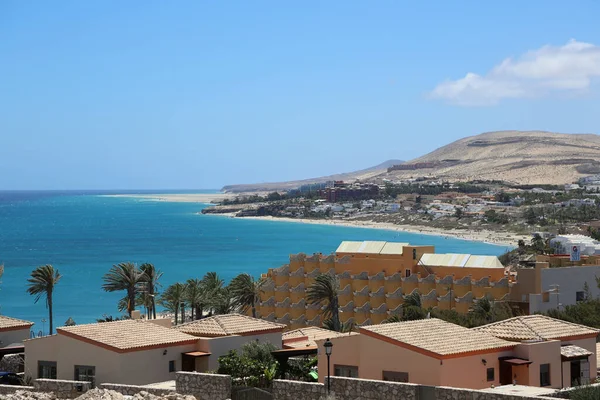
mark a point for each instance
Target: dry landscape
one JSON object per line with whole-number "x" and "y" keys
{"x": 532, "y": 157}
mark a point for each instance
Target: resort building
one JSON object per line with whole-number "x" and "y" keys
{"x": 130, "y": 352}
{"x": 12, "y": 334}
{"x": 437, "y": 353}
{"x": 553, "y": 283}
{"x": 375, "y": 277}
{"x": 561, "y": 354}
{"x": 219, "y": 334}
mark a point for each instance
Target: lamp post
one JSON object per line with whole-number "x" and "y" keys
{"x": 43, "y": 326}
{"x": 328, "y": 347}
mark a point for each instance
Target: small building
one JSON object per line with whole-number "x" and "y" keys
{"x": 428, "y": 352}
{"x": 219, "y": 334}
{"x": 531, "y": 350}
{"x": 12, "y": 334}
{"x": 544, "y": 287}
{"x": 132, "y": 352}
{"x": 561, "y": 354}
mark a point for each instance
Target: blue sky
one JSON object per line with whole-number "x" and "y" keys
{"x": 199, "y": 94}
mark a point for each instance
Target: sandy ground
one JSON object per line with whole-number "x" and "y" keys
{"x": 179, "y": 198}
{"x": 507, "y": 239}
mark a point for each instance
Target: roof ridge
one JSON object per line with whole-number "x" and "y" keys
{"x": 531, "y": 328}
{"x": 218, "y": 320}
{"x": 566, "y": 322}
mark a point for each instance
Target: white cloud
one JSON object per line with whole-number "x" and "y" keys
{"x": 569, "y": 68}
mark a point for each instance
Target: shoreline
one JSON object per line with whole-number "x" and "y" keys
{"x": 505, "y": 239}
{"x": 202, "y": 198}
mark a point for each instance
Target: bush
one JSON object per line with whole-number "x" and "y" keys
{"x": 585, "y": 393}
{"x": 255, "y": 366}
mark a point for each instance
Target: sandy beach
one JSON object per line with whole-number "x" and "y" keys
{"x": 179, "y": 198}
{"x": 507, "y": 239}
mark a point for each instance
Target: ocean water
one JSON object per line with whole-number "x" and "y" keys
{"x": 84, "y": 234}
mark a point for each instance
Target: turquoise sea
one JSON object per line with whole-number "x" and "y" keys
{"x": 84, "y": 234}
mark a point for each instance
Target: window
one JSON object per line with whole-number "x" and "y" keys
{"x": 414, "y": 254}
{"x": 47, "y": 369}
{"x": 347, "y": 371}
{"x": 85, "y": 373}
{"x": 491, "y": 375}
{"x": 545, "y": 375}
{"x": 394, "y": 376}
{"x": 172, "y": 366}
{"x": 579, "y": 296}
{"x": 407, "y": 273}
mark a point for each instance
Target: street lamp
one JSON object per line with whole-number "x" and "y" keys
{"x": 43, "y": 326}
{"x": 328, "y": 348}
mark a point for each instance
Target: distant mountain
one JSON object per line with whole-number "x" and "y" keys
{"x": 532, "y": 157}
{"x": 363, "y": 174}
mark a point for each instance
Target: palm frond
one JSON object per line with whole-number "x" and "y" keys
{"x": 42, "y": 282}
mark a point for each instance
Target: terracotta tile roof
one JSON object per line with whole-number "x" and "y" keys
{"x": 229, "y": 324}
{"x": 129, "y": 335}
{"x": 8, "y": 323}
{"x": 572, "y": 351}
{"x": 535, "y": 327}
{"x": 306, "y": 337}
{"x": 436, "y": 336}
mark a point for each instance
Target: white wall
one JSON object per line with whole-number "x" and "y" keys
{"x": 135, "y": 368}
{"x": 221, "y": 345}
{"x": 13, "y": 336}
{"x": 570, "y": 281}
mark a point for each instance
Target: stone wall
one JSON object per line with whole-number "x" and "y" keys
{"x": 7, "y": 389}
{"x": 12, "y": 363}
{"x": 295, "y": 390}
{"x": 204, "y": 386}
{"x": 61, "y": 388}
{"x": 355, "y": 389}
{"x": 130, "y": 390}
{"x": 359, "y": 389}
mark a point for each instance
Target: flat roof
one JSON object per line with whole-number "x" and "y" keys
{"x": 535, "y": 327}
{"x": 371, "y": 247}
{"x": 435, "y": 337}
{"x": 459, "y": 260}
{"x": 227, "y": 325}
{"x": 126, "y": 336}
{"x": 11, "y": 324}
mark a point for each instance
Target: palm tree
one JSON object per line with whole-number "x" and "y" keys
{"x": 124, "y": 276}
{"x": 150, "y": 278}
{"x": 172, "y": 298}
{"x": 245, "y": 292}
{"x": 484, "y": 309}
{"x": 194, "y": 296}
{"x": 42, "y": 281}
{"x": 213, "y": 287}
{"x": 412, "y": 300}
{"x": 325, "y": 291}
{"x": 411, "y": 308}
{"x": 223, "y": 303}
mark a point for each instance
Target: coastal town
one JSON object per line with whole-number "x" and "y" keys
{"x": 327, "y": 200}
{"x": 371, "y": 316}
{"x": 491, "y": 211}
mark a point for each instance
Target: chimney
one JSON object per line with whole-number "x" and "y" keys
{"x": 135, "y": 314}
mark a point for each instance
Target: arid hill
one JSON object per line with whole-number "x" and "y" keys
{"x": 513, "y": 156}
{"x": 363, "y": 174}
